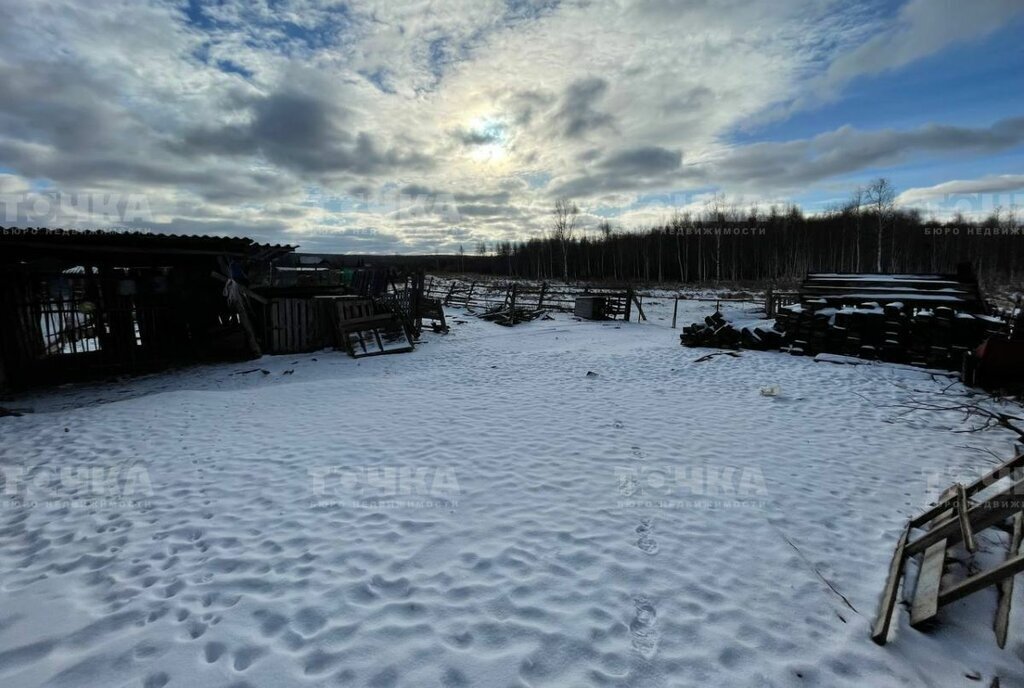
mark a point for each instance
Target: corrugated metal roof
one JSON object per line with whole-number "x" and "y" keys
{"x": 127, "y": 239}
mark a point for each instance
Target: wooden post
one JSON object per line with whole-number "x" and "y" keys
{"x": 880, "y": 631}
{"x": 769, "y": 306}
{"x": 512, "y": 308}
{"x": 540, "y": 301}
{"x": 1006, "y": 585}
{"x": 675, "y": 310}
{"x": 250, "y": 333}
{"x": 629, "y": 303}
{"x": 416, "y": 301}
{"x": 640, "y": 308}
{"x": 243, "y": 311}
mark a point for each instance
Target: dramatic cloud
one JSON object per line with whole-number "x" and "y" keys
{"x": 845, "y": 150}
{"x": 922, "y": 29}
{"x": 579, "y": 112}
{"x": 995, "y": 184}
{"x": 393, "y": 126}
{"x": 306, "y": 133}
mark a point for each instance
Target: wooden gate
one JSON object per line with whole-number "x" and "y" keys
{"x": 295, "y": 325}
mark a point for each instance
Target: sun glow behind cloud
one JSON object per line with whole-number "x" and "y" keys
{"x": 487, "y": 140}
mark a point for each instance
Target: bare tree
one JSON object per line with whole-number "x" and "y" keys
{"x": 566, "y": 214}
{"x": 854, "y": 206}
{"x": 604, "y": 232}
{"x": 880, "y": 195}
{"x": 714, "y": 209}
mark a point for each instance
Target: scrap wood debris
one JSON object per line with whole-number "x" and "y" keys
{"x": 511, "y": 316}
{"x": 962, "y": 513}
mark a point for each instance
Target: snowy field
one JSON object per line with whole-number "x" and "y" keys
{"x": 484, "y": 512}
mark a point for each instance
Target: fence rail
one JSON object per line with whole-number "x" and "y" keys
{"x": 487, "y": 296}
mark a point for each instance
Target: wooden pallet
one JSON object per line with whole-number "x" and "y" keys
{"x": 960, "y": 514}
{"x": 362, "y": 330}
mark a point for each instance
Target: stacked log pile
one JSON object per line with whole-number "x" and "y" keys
{"x": 717, "y": 332}
{"x": 930, "y": 337}
{"x": 934, "y": 338}
{"x": 925, "y": 320}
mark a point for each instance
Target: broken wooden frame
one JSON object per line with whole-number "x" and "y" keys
{"x": 958, "y": 517}
{"x": 361, "y": 330}
{"x": 514, "y": 309}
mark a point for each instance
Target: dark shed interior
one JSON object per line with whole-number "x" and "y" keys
{"x": 77, "y": 305}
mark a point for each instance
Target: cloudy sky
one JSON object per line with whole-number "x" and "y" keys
{"x": 390, "y": 126}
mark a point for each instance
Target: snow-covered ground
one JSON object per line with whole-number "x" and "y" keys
{"x": 563, "y": 503}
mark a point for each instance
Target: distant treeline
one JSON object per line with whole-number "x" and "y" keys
{"x": 777, "y": 245}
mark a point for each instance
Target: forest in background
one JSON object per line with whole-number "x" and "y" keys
{"x": 721, "y": 243}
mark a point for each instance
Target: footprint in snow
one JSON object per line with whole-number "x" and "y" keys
{"x": 646, "y": 541}
{"x": 645, "y": 635}
{"x": 628, "y": 485}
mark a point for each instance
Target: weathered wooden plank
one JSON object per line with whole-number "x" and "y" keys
{"x": 929, "y": 580}
{"x": 880, "y": 632}
{"x": 275, "y": 326}
{"x": 1005, "y": 586}
{"x": 993, "y": 476}
{"x": 1010, "y": 567}
{"x": 983, "y": 515}
{"x": 301, "y": 329}
{"x": 996, "y": 474}
{"x": 961, "y": 513}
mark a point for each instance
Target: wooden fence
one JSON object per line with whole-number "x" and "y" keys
{"x": 490, "y": 295}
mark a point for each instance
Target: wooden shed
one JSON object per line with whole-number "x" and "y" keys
{"x": 81, "y": 304}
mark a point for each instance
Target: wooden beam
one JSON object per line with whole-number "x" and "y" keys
{"x": 1010, "y": 567}
{"x": 1005, "y": 586}
{"x": 639, "y": 308}
{"x": 926, "y": 595}
{"x": 880, "y": 632}
{"x": 996, "y": 474}
{"x": 965, "y": 525}
{"x": 981, "y": 516}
